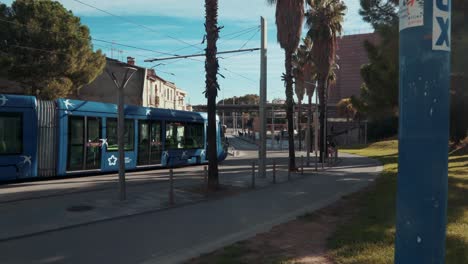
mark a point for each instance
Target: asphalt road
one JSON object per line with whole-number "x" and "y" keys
{"x": 175, "y": 235}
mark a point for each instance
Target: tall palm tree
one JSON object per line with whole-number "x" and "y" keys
{"x": 289, "y": 21}
{"x": 211, "y": 90}
{"x": 310, "y": 75}
{"x": 301, "y": 60}
{"x": 324, "y": 19}
{"x": 346, "y": 109}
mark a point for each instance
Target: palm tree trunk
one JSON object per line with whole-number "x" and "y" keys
{"x": 299, "y": 112}
{"x": 323, "y": 134}
{"x": 290, "y": 109}
{"x": 309, "y": 120}
{"x": 211, "y": 68}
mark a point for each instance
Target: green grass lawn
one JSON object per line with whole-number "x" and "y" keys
{"x": 369, "y": 237}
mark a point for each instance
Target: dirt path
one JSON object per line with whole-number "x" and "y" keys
{"x": 302, "y": 240}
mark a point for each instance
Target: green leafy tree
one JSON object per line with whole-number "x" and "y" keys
{"x": 46, "y": 49}
{"x": 324, "y": 19}
{"x": 459, "y": 90}
{"x": 379, "y": 92}
{"x": 289, "y": 22}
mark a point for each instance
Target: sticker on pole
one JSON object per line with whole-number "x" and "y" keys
{"x": 411, "y": 13}
{"x": 441, "y": 25}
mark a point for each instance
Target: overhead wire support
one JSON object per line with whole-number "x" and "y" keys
{"x": 199, "y": 55}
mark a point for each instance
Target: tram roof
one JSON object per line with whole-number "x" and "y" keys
{"x": 130, "y": 110}
{"x": 17, "y": 101}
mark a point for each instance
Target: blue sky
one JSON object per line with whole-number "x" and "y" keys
{"x": 169, "y": 23}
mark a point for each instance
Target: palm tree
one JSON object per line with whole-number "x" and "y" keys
{"x": 324, "y": 19}
{"x": 310, "y": 75}
{"x": 301, "y": 71}
{"x": 289, "y": 20}
{"x": 211, "y": 90}
{"x": 345, "y": 108}
{"x": 298, "y": 74}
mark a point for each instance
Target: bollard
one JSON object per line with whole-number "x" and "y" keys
{"x": 323, "y": 160}
{"x": 302, "y": 165}
{"x": 205, "y": 177}
{"x": 274, "y": 171}
{"x": 171, "y": 187}
{"x": 253, "y": 175}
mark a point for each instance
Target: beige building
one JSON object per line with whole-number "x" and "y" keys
{"x": 145, "y": 88}
{"x": 161, "y": 93}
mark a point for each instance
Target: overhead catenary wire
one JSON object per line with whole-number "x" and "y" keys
{"x": 38, "y": 49}
{"x": 243, "y": 45}
{"x": 137, "y": 24}
{"x": 240, "y": 32}
{"x": 93, "y": 39}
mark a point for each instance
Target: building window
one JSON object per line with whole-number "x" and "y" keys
{"x": 11, "y": 133}
{"x": 129, "y": 135}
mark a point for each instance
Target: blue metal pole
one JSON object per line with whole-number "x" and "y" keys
{"x": 423, "y": 135}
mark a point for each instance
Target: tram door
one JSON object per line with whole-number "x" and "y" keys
{"x": 84, "y": 143}
{"x": 149, "y": 143}
{"x": 93, "y": 144}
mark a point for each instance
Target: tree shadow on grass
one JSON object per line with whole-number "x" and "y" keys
{"x": 370, "y": 236}
{"x": 457, "y": 221}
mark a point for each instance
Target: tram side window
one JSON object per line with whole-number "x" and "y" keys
{"x": 175, "y": 135}
{"x": 184, "y": 135}
{"x": 129, "y": 135}
{"x": 194, "y": 135}
{"x": 11, "y": 133}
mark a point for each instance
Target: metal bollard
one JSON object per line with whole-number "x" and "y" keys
{"x": 205, "y": 178}
{"x": 171, "y": 187}
{"x": 274, "y": 171}
{"x": 302, "y": 165}
{"x": 253, "y": 175}
{"x": 323, "y": 159}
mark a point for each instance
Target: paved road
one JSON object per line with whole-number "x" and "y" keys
{"x": 171, "y": 236}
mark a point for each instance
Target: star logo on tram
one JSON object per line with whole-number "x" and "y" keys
{"x": 3, "y": 100}
{"x": 148, "y": 112}
{"x": 104, "y": 142}
{"x": 173, "y": 113}
{"x": 26, "y": 159}
{"x": 184, "y": 155}
{"x": 112, "y": 160}
{"x": 68, "y": 103}
{"x": 203, "y": 153}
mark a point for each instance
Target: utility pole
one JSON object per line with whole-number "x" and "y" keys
{"x": 424, "y": 131}
{"x": 262, "y": 105}
{"x": 129, "y": 72}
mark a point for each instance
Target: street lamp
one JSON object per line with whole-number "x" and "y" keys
{"x": 129, "y": 72}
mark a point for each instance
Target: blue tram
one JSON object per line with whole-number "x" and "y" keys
{"x": 71, "y": 137}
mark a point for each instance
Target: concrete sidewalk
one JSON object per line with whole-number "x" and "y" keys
{"x": 36, "y": 207}
{"x": 170, "y": 236}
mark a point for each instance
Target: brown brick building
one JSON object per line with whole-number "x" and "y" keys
{"x": 352, "y": 56}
